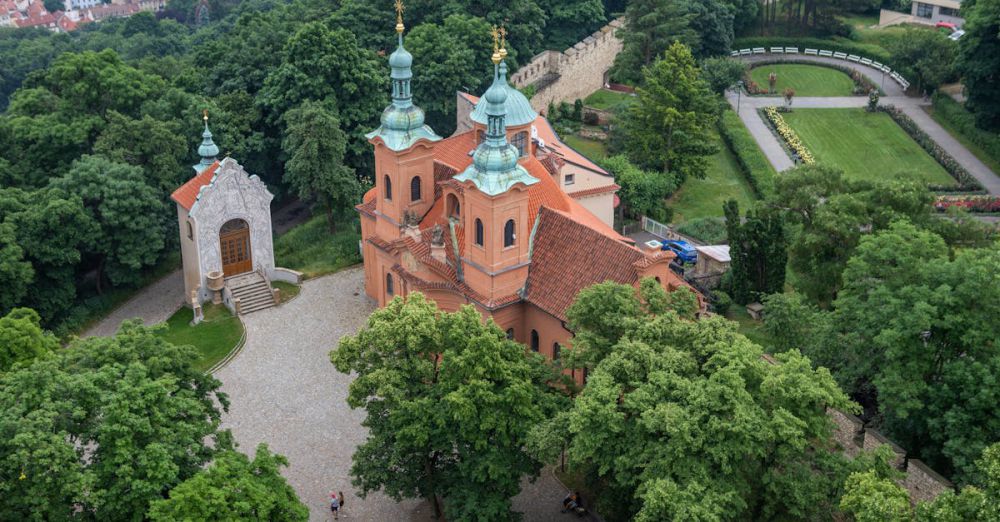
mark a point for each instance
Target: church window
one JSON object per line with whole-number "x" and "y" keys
{"x": 415, "y": 188}
{"x": 388, "y": 187}
{"x": 555, "y": 352}
{"x": 454, "y": 207}
{"x": 388, "y": 285}
{"x": 508, "y": 233}
{"x": 534, "y": 340}
{"x": 479, "y": 232}
{"x": 520, "y": 141}
{"x": 510, "y": 333}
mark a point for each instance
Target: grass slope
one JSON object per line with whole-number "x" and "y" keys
{"x": 807, "y": 80}
{"x": 606, "y": 99}
{"x": 214, "y": 337}
{"x": 700, "y": 198}
{"x": 968, "y": 140}
{"x": 593, "y": 149}
{"x": 865, "y": 145}
{"x": 312, "y": 250}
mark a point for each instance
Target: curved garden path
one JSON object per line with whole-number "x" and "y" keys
{"x": 913, "y": 107}
{"x": 285, "y": 392}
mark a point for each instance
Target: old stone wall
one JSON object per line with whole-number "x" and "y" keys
{"x": 574, "y": 73}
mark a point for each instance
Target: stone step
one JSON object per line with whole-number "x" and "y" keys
{"x": 263, "y": 290}
{"x": 256, "y": 300}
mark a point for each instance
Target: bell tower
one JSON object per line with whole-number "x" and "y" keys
{"x": 495, "y": 217}
{"x": 404, "y": 150}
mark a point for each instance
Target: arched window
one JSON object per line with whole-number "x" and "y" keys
{"x": 534, "y": 340}
{"x": 388, "y": 285}
{"x": 555, "y": 352}
{"x": 388, "y": 187}
{"x": 510, "y": 333}
{"x": 415, "y": 188}
{"x": 508, "y": 233}
{"x": 520, "y": 142}
{"x": 454, "y": 207}
{"x": 479, "y": 232}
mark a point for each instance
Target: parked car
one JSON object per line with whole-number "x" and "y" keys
{"x": 946, "y": 25}
{"x": 684, "y": 250}
{"x": 956, "y": 35}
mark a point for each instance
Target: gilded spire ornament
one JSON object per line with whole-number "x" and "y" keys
{"x": 399, "y": 16}
{"x": 503, "y": 42}
{"x": 495, "y": 33}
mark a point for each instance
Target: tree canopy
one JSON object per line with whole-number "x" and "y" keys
{"x": 979, "y": 60}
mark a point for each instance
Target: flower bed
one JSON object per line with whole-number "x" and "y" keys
{"x": 972, "y": 203}
{"x": 788, "y": 135}
{"x": 966, "y": 183}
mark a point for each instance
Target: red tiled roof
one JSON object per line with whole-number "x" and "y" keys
{"x": 454, "y": 151}
{"x": 594, "y": 191}
{"x": 567, "y": 258}
{"x": 187, "y": 194}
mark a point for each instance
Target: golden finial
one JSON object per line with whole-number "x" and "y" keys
{"x": 399, "y": 15}
{"x": 495, "y": 33}
{"x": 204, "y": 115}
{"x": 503, "y": 42}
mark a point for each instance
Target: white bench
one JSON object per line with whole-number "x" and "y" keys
{"x": 759, "y": 50}
{"x": 791, "y": 50}
{"x": 744, "y": 52}
{"x": 811, "y": 51}
{"x": 853, "y": 58}
{"x": 886, "y": 69}
{"x": 842, "y": 56}
{"x": 734, "y": 53}
{"x": 777, "y": 49}
{"x": 825, "y": 53}
{"x": 866, "y": 61}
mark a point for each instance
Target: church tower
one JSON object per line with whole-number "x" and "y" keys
{"x": 404, "y": 150}
{"x": 208, "y": 151}
{"x": 496, "y": 200}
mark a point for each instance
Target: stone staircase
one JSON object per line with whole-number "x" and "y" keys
{"x": 252, "y": 290}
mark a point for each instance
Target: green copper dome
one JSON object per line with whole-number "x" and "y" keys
{"x": 208, "y": 150}
{"x": 516, "y": 106}
{"x": 402, "y": 121}
{"x": 494, "y": 168}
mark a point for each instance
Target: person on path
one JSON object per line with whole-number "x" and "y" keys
{"x": 340, "y": 497}
{"x": 335, "y": 505}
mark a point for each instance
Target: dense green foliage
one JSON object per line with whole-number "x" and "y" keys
{"x": 758, "y": 252}
{"x": 979, "y": 61}
{"x": 962, "y": 123}
{"x": 22, "y": 339}
{"x": 449, "y": 403}
{"x": 668, "y": 128}
{"x": 310, "y": 249}
{"x": 642, "y": 192}
{"x": 929, "y": 54}
{"x": 685, "y": 420}
{"x": 722, "y": 73}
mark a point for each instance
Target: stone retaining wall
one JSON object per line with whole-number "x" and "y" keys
{"x": 574, "y": 73}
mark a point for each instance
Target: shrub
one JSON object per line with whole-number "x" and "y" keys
{"x": 754, "y": 165}
{"x": 965, "y": 180}
{"x": 965, "y": 123}
{"x": 709, "y": 230}
{"x": 720, "y": 302}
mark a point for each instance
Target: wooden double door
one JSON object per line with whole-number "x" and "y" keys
{"x": 234, "y": 242}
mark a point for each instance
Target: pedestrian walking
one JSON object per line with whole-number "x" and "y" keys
{"x": 340, "y": 496}
{"x": 335, "y": 505}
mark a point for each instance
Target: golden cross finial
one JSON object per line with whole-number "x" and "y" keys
{"x": 205, "y": 115}
{"x": 503, "y": 42}
{"x": 495, "y": 33}
{"x": 399, "y": 15}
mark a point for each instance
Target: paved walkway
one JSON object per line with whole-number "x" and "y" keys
{"x": 285, "y": 392}
{"x": 156, "y": 302}
{"x": 912, "y": 107}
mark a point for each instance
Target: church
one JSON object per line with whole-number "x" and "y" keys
{"x": 501, "y": 215}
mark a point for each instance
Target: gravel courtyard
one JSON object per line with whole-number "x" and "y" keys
{"x": 285, "y": 392}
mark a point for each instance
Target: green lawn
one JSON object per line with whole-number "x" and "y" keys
{"x": 752, "y": 329}
{"x": 287, "y": 290}
{"x": 865, "y": 145}
{"x": 807, "y": 80}
{"x": 593, "y": 149}
{"x": 310, "y": 248}
{"x": 214, "y": 337}
{"x": 701, "y": 198}
{"x": 606, "y": 99}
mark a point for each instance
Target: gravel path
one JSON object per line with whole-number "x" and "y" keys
{"x": 913, "y": 107}
{"x": 285, "y": 392}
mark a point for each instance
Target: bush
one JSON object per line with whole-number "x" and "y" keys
{"x": 721, "y": 302}
{"x": 965, "y": 123}
{"x": 755, "y": 166}
{"x": 965, "y": 180}
{"x": 709, "y": 230}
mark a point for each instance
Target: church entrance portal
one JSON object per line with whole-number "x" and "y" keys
{"x": 234, "y": 241}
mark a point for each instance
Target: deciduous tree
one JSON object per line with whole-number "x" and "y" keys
{"x": 22, "y": 339}
{"x": 758, "y": 250}
{"x": 979, "y": 60}
{"x": 642, "y": 193}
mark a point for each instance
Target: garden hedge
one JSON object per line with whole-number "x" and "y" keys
{"x": 755, "y": 166}
{"x": 964, "y": 122}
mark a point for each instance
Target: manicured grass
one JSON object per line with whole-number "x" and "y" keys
{"x": 214, "y": 337}
{"x": 593, "y": 149}
{"x": 865, "y": 145}
{"x": 807, "y": 80}
{"x": 606, "y": 99}
{"x": 310, "y": 248}
{"x": 287, "y": 290}
{"x": 968, "y": 140}
{"x": 752, "y": 329}
{"x": 702, "y": 198}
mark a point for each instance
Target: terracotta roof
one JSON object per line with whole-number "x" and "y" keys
{"x": 594, "y": 191}
{"x": 187, "y": 194}
{"x": 567, "y": 258}
{"x": 454, "y": 151}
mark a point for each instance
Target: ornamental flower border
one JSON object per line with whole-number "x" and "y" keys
{"x": 789, "y": 136}
{"x": 966, "y": 183}
{"x": 971, "y": 203}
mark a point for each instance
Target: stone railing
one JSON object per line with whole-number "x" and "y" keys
{"x": 828, "y": 54}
